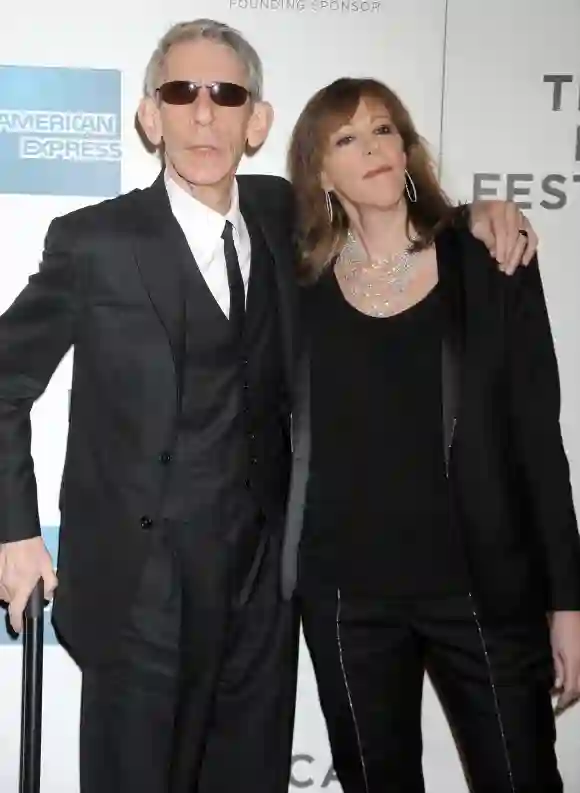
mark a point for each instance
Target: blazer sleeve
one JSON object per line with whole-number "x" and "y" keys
{"x": 35, "y": 333}
{"x": 535, "y": 420}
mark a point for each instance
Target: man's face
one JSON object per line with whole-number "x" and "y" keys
{"x": 204, "y": 142}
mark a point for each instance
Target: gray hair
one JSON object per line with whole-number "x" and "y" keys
{"x": 212, "y": 31}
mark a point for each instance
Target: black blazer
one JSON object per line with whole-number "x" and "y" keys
{"x": 508, "y": 472}
{"x": 110, "y": 285}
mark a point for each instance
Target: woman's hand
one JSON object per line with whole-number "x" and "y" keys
{"x": 565, "y": 640}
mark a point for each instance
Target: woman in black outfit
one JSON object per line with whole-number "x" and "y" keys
{"x": 431, "y": 507}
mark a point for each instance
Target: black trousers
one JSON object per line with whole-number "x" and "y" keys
{"x": 202, "y": 697}
{"x": 494, "y": 683}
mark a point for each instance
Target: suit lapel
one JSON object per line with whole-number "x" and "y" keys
{"x": 280, "y": 246}
{"x": 162, "y": 254}
{"x": 453, "y": 342}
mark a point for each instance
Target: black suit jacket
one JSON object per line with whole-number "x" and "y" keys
{"x": 110, "y": 285}
{"x": 508, "y": 471}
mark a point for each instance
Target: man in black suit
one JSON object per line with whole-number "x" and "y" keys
{"x": 179, "y": 301}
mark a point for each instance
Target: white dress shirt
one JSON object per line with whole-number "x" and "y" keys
{"x": 203, "y": 228}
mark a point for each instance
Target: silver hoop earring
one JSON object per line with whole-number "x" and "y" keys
{"x": 410, "y": 187}
{"x": 328, "y": 201}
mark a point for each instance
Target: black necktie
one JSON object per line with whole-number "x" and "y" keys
{"x": 237, "y": 295}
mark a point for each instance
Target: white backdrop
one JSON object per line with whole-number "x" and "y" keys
{"x": 472, "y": 74}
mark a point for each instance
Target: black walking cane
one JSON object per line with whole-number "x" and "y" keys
{"x": 31, "y": 708}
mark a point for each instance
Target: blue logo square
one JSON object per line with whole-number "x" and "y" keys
{"x": 60, "y": 131}
{"x": 50, "y": 536}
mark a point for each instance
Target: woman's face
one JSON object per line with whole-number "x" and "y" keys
{"x": 364, "y": 162}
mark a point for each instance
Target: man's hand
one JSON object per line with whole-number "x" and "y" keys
{"x": 565, "y": 639}
{"x": 22, "y": 563}
{"x": 498, "y": 224}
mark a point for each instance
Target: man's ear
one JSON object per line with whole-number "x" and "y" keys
{"x": 259, "y": 124}
{"x": 150, "y": 120}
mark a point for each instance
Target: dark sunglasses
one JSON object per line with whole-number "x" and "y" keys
{"x": 183, "y": 92}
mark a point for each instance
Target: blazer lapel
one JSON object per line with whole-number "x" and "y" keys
{"x": 162, "y": 254}
{"x": 281, "y": 248}
{"x": 296, "y": 506}
{"x": 452, "y": 350}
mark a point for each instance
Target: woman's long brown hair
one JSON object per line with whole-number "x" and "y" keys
{"x": 320, "y": 240}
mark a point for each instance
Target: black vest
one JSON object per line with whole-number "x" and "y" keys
{"x": 229, "y": 468}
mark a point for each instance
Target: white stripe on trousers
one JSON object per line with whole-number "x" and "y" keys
{"x": 491, "y": 682}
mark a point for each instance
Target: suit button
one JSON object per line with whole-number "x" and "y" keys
{"x": 254, "y": 460}
{"x": 248, "y": 484}
{"x": 165, "y": 458}
{"x": 146, "y": 522}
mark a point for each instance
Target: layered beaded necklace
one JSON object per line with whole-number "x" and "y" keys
{"x": 376, "y": 285}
